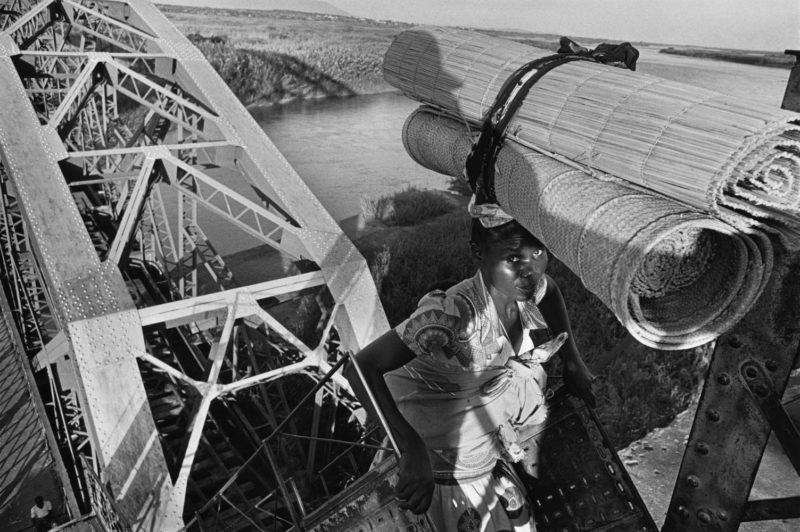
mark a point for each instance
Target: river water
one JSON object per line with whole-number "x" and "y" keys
{"x": 351, "y": 147}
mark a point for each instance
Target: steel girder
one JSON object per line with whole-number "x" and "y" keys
{"x": 739, "y": 407}
{"x": 107, "y": 116}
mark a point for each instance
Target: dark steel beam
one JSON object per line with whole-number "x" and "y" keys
{"x": 764, "y": 510}
{"x": 765, "y": 396}
{"x": 791, "y": 98}
{"x": 730, "y": 430}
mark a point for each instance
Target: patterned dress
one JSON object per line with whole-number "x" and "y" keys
{"x": 464, "y": 397}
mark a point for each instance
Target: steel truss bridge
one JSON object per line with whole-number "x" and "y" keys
{"x": 168, "y": 384}
{"x": 175, "y": 396}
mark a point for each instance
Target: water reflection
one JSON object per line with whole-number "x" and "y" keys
{"x": 345, "y": 148}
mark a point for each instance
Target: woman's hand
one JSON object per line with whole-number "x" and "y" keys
{"x": 542, "y": 353}
{"x": 415, "y": 484}
{"x": 577, "y": 376}
{"x": 578, "y": 380}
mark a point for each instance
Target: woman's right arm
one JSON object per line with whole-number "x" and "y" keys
{"x": 388, "y": 352}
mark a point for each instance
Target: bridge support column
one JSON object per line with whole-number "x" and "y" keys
{"x": 751, "y": 362}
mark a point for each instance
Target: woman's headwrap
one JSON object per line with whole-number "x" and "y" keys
{"x": 488, "y": 214}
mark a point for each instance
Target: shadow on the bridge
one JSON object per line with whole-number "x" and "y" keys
{"x": 26, "y": 466}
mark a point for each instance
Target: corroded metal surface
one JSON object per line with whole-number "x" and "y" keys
{"x": 583, "y": 485}
{"x": 730, "y": 431}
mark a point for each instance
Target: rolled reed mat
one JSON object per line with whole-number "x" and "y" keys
{"x": 737, "y": 160}
{"x": 674, "y": 277}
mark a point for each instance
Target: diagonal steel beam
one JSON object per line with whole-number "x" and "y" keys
{"x": 185, "y": 311}
{"x": 245, "y": 214}
{"x": 166, "y": 368}
{"x": 125, "y": 74}
{"x": 121, "y": 246}
{"x": 109, "y": 29}
{"x": 766, "y": 397}
{"x": 220, "y": 347}
{"x": 173, "y": 511}
{"x": 27, "y": 24}
{"x": 266, "y": 376}
{"x": 83, "y": 86}
{"x": 164, "y": 238}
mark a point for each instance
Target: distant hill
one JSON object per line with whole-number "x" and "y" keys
{"x": 306, "y": 6}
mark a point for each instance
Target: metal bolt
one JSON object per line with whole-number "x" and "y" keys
{"x": 750, "y": 372}
{"x": 704, "y": 516}
{"x": 724, "y": 379}
{"x": 693, "y": 481}
{"x": 771, "y": 364}
{"x": 723, "y": 515}
{"x": 702, "y": 448}
{"x": 683, "y": 512}
{"x": 735, "y": 342}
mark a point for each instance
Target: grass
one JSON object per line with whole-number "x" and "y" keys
{"x": 410, "y": 206}
{"x": 265, "y": 77}
{"x": 346, "y": 50}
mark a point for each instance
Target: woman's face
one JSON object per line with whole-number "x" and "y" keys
{"x": 513, "y": 264}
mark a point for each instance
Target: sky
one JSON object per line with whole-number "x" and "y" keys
{"x": 744, "y": 24}
{"x": 772, "y": 25}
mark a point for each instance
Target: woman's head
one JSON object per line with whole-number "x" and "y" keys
{"x": 512, "y": 260}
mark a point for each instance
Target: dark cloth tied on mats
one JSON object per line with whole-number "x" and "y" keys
{"x": 610, "y": 54}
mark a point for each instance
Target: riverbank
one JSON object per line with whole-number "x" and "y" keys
{"x": 769, "y": 59}
{"x": 270, "y": 57}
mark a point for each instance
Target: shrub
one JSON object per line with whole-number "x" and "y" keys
{"x": 265, "y": 76}
{"x": 410, "y": 260}
{"x": 407, "y": 207}
{"x": 645, "y": 388}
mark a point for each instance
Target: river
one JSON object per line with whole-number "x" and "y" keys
{"x": 350, "y": 147}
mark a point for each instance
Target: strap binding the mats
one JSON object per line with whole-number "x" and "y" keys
{"x": 479, "y": 166}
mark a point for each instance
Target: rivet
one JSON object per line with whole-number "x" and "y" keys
{"x": 723, "y": 515}
{"x": 735, "y": 342}
{"x": 723, "y": 379}
{"x": 693, "y": 481}
{"x": 704, "y": 516}
{"x": 771, "y": 364}
{"x": 683, "y": 512}
{"x": 702, "y": 448}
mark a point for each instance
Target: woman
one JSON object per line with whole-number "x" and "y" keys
{"x": 463, "y": 372}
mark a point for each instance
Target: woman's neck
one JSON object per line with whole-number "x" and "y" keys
{"x": 506, "y": 307}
